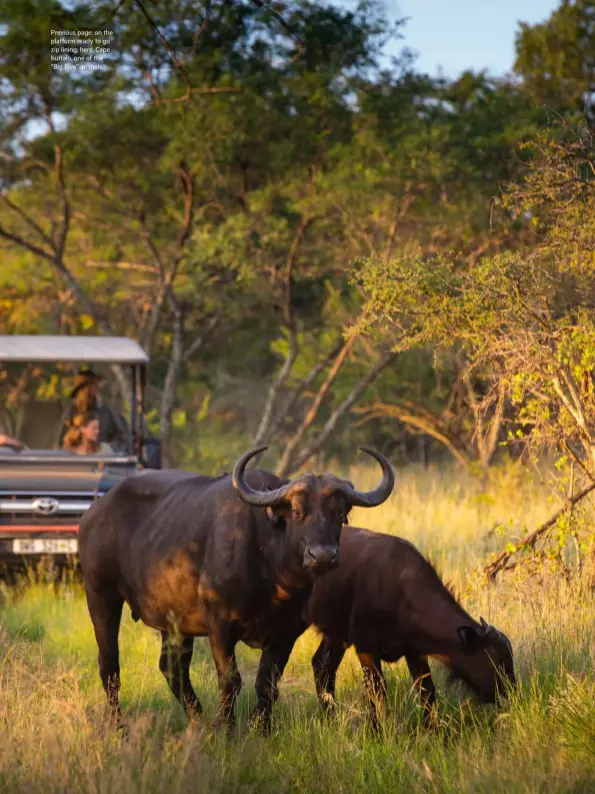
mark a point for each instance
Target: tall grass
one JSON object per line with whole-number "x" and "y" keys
{"x": 53, "y": 735}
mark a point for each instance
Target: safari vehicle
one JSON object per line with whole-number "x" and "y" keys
{"x": 44, "y": 490}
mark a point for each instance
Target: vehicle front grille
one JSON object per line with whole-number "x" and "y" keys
{"x": 43, "y": 510}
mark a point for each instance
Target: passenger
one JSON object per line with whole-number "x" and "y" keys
{"x": 9, "y": 441}
{"x": 83, "y": 437}
{"x": 85, "y": 398}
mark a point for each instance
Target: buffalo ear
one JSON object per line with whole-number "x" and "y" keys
{"x": 471, "y": 639}
{"x": 484, "y": 625}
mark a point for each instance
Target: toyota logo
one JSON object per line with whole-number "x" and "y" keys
{"x": 46, "y": 506}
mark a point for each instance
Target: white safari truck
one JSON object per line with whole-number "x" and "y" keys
{"x": 44, "y": 490}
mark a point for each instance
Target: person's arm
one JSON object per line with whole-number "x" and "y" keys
{"x": 8, "y": 441}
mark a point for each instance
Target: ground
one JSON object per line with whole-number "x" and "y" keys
{"x": 53, "y": 736}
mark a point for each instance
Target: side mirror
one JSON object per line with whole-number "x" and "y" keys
{"x": 152, "y": 453}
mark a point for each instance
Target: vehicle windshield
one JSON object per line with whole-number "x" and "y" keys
{"x": 73, "y": 410}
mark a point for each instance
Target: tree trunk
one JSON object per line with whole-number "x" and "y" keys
{"x": 301, "y": 387}
{"x": 421, "y": 419}
{"x": 168, "y": 397}
{"x": 286, "y": 467}
{"x": 285, "y": 463}
{"x": 262, "y": 433}
{"x": 268, "y": 418}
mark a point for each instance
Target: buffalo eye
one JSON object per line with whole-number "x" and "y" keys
{"x": 277, "y": 519}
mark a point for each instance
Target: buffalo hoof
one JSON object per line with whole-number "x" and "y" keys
{"x": 328, "y": 705}
{"x": 227, "y": 724}
{"x": 193, "y": 712}
{"x": 260, "y": 722}
{"x": 194, "y": 730}
{"x": 376, "y": 725}
{"x": 116, "y": 723}
{"x": 122, "y": 728}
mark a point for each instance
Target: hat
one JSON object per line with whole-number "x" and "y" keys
{"x": 85, "y": 377}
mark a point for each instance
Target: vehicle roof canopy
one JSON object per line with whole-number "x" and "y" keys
{"x": 83, "y": 349}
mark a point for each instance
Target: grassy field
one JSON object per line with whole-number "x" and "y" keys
{"x": 53, "y": 737}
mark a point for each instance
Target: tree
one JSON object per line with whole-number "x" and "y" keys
{"x": 524, "y": 317}
{"x": 460, "y": 408}
{"x": 185, "y": 174}
{"x": 208, "y": 190}
{"x": 556, "y": 58}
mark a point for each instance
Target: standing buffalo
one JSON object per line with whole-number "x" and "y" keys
{"x": 231, "y": 557}
{"x": 388, "y": 601}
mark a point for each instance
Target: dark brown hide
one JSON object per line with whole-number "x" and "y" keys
{"x": 388, "y": 601}
{"x": 191, "y": 559}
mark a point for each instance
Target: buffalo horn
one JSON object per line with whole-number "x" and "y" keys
{"x": 384, "y": 490}
{"x": 247, "y": 494}
{"x": 487, "y": 628}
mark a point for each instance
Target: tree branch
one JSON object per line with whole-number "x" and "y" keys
{"x": 312, "y": 413}
{"x": 174, "y": 370}
{"x": 168, "y": 276}
{"x": 270, "y": 7}
{"x": 290, "y": 324}
{"x": 29, "y": 246}
{"x": 179, "y": 66}
{"x": 200, "y": 341}
{"x": 421, "y": 419}
{"x": 28, "y": 220}
{"x": 122, "y": 266}
{"x": 491, "y": 437}
{"x": 301, "y": 387}
{"x": 59, "y": 171}
{"x": 332, "y": 421}
{"x": 502, "y": 560}
{"x": 201, "y": 91}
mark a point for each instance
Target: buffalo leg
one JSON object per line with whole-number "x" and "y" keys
{"x": 374, "y": 685}
{"x": 106, "y": 613}
{"x": 325, "y": 664}
{"x": 272, "y": 664}
{"x": 422, "y": 681}
{"x": 230, "y": 680}
{"x": 174, "y": 663}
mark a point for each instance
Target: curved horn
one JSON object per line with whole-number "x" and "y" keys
{"x": 247, "y": 494}
{"x": 489, "y": 629}
{"x": 384, "y": 490}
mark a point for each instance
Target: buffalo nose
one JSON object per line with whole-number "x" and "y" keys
{"x": 321, "y": 557}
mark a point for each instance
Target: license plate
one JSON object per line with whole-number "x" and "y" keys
{"x": 45, "y": 546}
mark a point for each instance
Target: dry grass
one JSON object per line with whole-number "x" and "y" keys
{"x": 53, "y": 737}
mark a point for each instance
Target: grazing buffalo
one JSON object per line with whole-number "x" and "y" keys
{"x": 388, "y": 601}
{"x": 231, "y": 557}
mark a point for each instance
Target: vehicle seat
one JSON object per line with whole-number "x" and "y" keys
{"x": 40, "y": 422}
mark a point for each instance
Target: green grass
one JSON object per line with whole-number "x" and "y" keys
{"x": 53, "y": 736}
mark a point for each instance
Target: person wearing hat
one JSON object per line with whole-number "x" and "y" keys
{"x": 86, "y": 399}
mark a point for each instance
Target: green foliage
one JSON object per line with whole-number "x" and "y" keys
{"x": 303, "y": 155}
{"x": 523, "y": 317}
{"x": 556, "y": 58}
